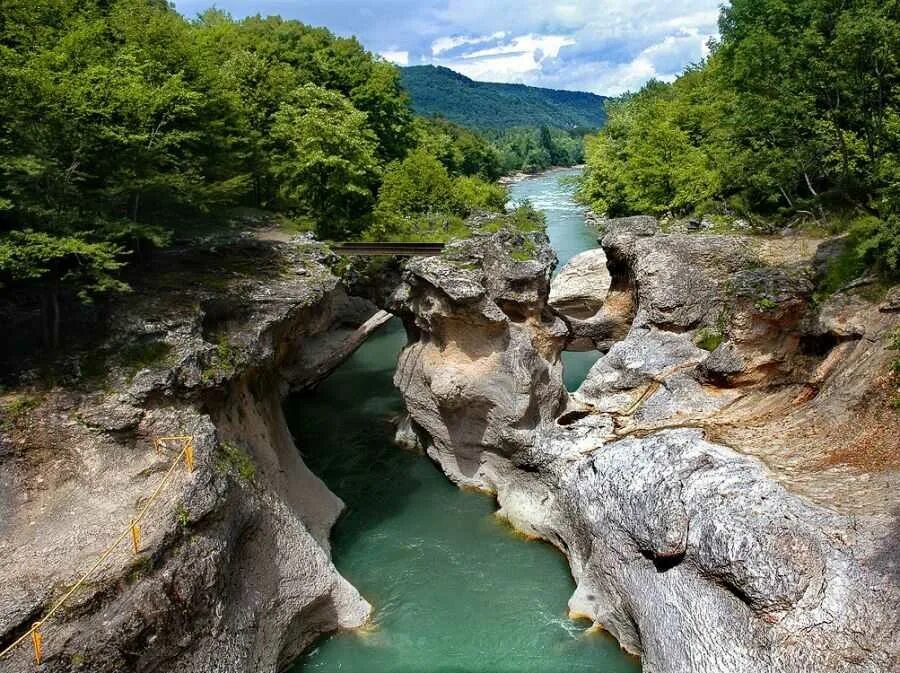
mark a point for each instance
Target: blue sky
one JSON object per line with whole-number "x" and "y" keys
{"x": 604, "y": 46}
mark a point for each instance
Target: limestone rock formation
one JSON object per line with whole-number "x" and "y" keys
{"x": 697, "y": 534}
{"x": 582, "y": 285}
{"x": 596, "y": 312}
{"x": 482, "y": 335}
{"x": 234, "y": 569}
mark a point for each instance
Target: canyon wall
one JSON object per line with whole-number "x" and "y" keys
{"x": 703, "y": 496}
{"x": 234, "y": 569}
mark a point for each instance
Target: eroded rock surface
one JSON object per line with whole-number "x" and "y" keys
{"x": 597, "y": 308}
{"x": 581, "y": 287}
{"x": 670, "y": 479}
{"x": 234, "y": 571}
{"x": 482, "y": 335}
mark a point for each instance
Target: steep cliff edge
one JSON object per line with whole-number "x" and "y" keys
{"x": 234, "y": 570}
{"x": 699, "y": 544}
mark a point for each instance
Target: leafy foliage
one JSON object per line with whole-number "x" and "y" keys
{"x": 126, "y": 127}
{"x": 463, "y": 152}
{"x": 796, "y": 113}
{"x": 325, "y": 159}
{"x": 419, "y": 198}
{"x": 531, "y": 150}
{"x": 139, "y": 122}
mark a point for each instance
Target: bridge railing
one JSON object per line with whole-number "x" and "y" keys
{"x": 376, "y": 249}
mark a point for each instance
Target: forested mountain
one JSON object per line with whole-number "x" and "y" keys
{"x": 438, "y": 91}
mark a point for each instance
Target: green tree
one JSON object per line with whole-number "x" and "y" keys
{"x": 325, "y": 162}
{"x": 46, "y": 264}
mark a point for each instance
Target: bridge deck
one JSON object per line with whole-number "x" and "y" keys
{"x": 389, "y": 249}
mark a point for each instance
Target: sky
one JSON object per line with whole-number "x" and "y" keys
{"x": 604, "y": 46}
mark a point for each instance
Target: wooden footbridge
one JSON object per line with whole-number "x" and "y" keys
{"x": 388, "y": 249}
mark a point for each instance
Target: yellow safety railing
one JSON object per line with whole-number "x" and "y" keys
{"x": 35, "y": 632}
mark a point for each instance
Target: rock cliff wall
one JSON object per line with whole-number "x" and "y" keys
{"x": 234, "y": 571}
{"x": 696, "y": 554}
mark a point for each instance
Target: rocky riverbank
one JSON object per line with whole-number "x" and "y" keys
{"x": 726, "y": 508}
{"x": 234, "y": 569}
{"x": 723, "y": 484}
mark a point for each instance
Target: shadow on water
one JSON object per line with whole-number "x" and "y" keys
{"x": 344, "y": 432}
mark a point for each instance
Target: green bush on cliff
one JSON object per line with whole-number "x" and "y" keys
{"x": 233, "y": 459}
{"x": 421, "y": 200}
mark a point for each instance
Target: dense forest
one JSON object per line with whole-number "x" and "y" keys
{"x": 126, "y": 127}
{"x": 531, "y": 128}
{"x": 794, "y": 119}
{"x": 530, "y": 149}
{"x": 483, "y": 105}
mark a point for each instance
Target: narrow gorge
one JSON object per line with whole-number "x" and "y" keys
{"x": 704, "y": 498}
{"x": 726, "y": 508}
{"x": 449, "y": 336}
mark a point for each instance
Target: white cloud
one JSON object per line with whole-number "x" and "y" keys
{"x": 606, "y": 46}
{"x": 509, "y": 60}
{"x": 445, "y": 44}
{"x": 549, "y": 45}
{"x": 396, "y": 56}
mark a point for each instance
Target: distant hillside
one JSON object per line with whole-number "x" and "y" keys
{"x": 441, "y": 91}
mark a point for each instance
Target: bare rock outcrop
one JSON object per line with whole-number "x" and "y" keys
{"x": 234, "y": 569}
{"x": 697, "y": 552}
{"x": 581, "y": 287}
{"x": 481, "y": 335}
{"x": 597, "y": 311}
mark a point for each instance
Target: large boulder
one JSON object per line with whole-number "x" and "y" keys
{"x": 596, "y": 312}
{"x": 582, "y": 285}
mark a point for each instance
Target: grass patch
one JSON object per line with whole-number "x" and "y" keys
{"x": 872, "y": 247}
{"x": 765, "y": 304}
{"x": 708, "y": 339}
{"x": 225, "y": 361}
{"x": 233, "y": 459}
{"x": 524, "y": 219}
{"x": 146, "y": 355}
{"x": 182, "y": 516}
{"x": 15, "y": 411}
{"x": 139, "y": 568}
{"x": 139, "y": 355}
{"x": 524, "y": 252}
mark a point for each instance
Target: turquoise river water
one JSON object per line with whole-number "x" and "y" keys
{"x": 454, "y": 590}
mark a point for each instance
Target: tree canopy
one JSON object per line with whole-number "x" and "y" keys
{"x": 123, "y": 124}
{"x": 796, "y": 113}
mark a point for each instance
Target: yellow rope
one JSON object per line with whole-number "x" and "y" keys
{"x": 188, "y": 444}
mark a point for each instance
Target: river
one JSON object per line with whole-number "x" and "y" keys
{"x": 454, "y": 589}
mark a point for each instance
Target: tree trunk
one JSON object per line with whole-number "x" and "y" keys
{"x": 809, "y": 184}
{"x": 45, "y": 319}
{"x": 136, "y": 208}
{"x": 845, "y": 154}
{"x": 54, "y": 299}
{"x": 786, "y": 197}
